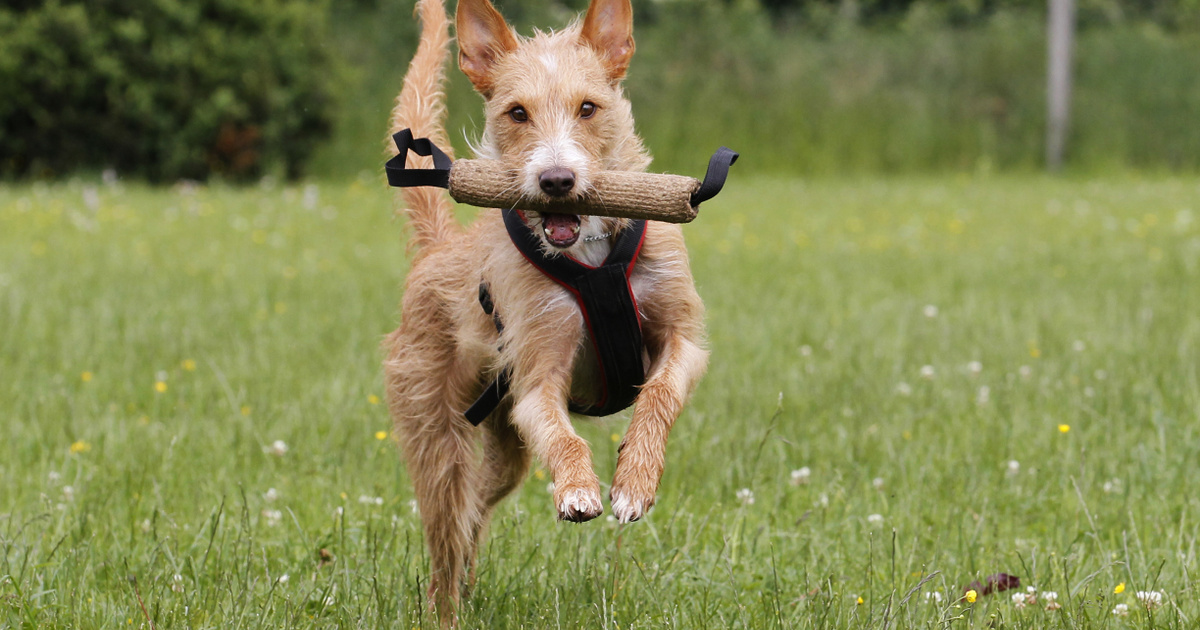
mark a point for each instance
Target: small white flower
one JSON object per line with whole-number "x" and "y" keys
{"x": 1089, "y": 392}
{"x": 1112, "y": 485}
{"x": 904, "y": 389}
{"x": 875, "y": 519}
{"x": 161, "y": 375}
{"x": 1150, "y": 599}
{"x": 273, "y": 517}
{"x": 69, "y": 493}
{"x": 146, "y": 526}
{"x": 412, "y": 505}
{"x": 1079, "y": 346}
{"x": 927, "y": 372}
{"x": 806, "y": 350}
{"x": 54, "y": 476}
{"x": 369, "y": 500}
{"x": 278, "y": 448}
{"x": 801, "y": 475}
{"x": 177, "y": 583}
{"x": 283, "y": 579}
{"x": 933, "y": 597}
{"x": 823, "y": 500}
{"x": 877, "y": 483}
{"x": 338, "y": 511}
{"x": 1014, "y": 468}
{"x": 1025, "y": 371}
{"x": 1019, "y": 600}
{"x": 985, "y": 394}
{"x": 550, "y": 488}
{"x": 930, "y": 311}
{"x": 1120, "y": 610}
{"x": 975, "y": 368}
{"x": 329, "y": 601}
{"x": 1051, "y": 599}
{"x": 270, "y": 495}
{"x": 746, "y": 496}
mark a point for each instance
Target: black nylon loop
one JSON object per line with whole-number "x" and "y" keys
{"x": 402, "y": 177}
{"x": 714, "y": 179}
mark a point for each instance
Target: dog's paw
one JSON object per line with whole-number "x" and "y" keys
{"x": 578, "y": 505}
{"x": 628, "y": 508}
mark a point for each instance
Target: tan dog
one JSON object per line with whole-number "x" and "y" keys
{"x": 556, "y": 110}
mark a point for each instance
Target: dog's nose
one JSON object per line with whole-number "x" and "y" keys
{"x": 557, "y": 181}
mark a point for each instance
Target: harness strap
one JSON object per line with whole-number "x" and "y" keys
{"x": 609, "y": 309}
{"x": 402, "y": 177}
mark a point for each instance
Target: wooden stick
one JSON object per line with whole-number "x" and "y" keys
{"x": 651, "y": 196}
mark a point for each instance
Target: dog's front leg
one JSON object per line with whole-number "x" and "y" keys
{"x": 679, "y": 364}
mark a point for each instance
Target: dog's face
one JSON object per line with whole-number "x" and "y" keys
{"x": 554, "y": 108}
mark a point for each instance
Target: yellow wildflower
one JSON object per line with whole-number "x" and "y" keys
{"x": 160, "y": 387}
{"x": 616, "y": 438}
{"x": 79, "y": 446}
{"x": 245, "y": 410}
{"x": 1120, "y": 588}
{"x": 381, "y": 435}
{"x": 189, "y": 364}
{"x": 971, "y": 596}
{"x": 1063, "y": 428}
{"x": 373, "y": 399}
{"x": 860, "y": 600}
{"x": 86, "y": 377}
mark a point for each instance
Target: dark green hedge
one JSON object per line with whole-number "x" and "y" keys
{"x": 163, "y": 89}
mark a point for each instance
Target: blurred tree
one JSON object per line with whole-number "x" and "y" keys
{"x": 163, "y": 89}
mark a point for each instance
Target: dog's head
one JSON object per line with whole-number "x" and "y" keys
{"x": 555, "y": 108}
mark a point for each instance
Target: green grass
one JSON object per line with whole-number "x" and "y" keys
{"x": 817, "y": 292}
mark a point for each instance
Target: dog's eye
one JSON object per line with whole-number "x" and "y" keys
{"x": 518, "y": 114}
{"x": 587, "y": 110}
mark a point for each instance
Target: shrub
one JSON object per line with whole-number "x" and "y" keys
{"x": 163, "y": 89}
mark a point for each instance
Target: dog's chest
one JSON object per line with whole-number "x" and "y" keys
{"x": 586, "y": 374}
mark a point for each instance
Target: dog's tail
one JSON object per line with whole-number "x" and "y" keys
{"x": 421, "y": 106}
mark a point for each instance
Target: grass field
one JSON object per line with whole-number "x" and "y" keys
{"x": 155, "y": 344}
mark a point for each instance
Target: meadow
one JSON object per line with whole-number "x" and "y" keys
{"x": 915, "y": 383}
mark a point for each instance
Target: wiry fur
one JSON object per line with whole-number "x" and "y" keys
{"x": 447, "y": 349}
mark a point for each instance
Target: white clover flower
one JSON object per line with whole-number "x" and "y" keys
{"x": 1150, "y": 599}
{"x": 801, "y": 475}
{"x": 369, "y": 500}
{"x": 1014, "y": 468}
{"x": 161, "y": 375}
{"x": 1120, "y": 610}
{"x": 930, "y": 311}
{"x": 975, "y": 368}
{"x": 146, "y": 526}
{"x": 875, "y": 519}
{"x": 177, "y": 583}
{"x": 877, "y": 483}
{"x": 283, "y": 579}
{"x": 412, "y": 505}
{"x": 823, "y": 500}
{"x": 904, "y": 389}
{"x": 338, "y": 511}
{"x": 273, "y": 517}
{"x": 1079, "y": 346}
{"x": 270, "y": 495}
{"x": 927, "y": 372}
{"x": 54, "y": 476}
{"x": 1051, "y": 599}
{"x": 933, "y": 597}
{"x": 746, "y": 496}
{"x": 806, "y": 350}
{"x": 278, "y": 448}
{"x": 1025, "y": 371}
{"x": 68, "y": 493}
{"x": 985, "y": 394}
{"x": 1112, "y": 485}
{"x": 1018, "y": 600}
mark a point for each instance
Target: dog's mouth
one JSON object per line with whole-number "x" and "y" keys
{"x": 560, "y": 230}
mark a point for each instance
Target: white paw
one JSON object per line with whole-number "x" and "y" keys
{"x": 580, "y": 505}
{"x": 627, "y": 509}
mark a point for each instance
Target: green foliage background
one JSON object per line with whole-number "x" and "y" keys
{"x": 163, "y": 89}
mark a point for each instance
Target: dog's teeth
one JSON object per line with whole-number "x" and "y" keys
{"x": 575, "y": 229}
{"x": 546, "y": 230}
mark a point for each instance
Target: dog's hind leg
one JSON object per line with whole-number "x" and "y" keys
{"x": 504, "y": 465}
{"x": 426, "y": 388}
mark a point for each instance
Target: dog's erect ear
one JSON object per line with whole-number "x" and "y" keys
{"x": 608, "y": 27}
{"x": 483, "y": 37}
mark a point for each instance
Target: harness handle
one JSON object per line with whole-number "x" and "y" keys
{"x": 403, "y": 177}
{"x": 714, "y": 178}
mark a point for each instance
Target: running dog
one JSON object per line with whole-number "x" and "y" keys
{"x": 556, "y": 112}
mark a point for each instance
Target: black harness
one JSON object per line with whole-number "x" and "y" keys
{"x": 609, "y": 310}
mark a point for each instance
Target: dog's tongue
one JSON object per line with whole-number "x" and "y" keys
{"x": 560, "y": 229}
